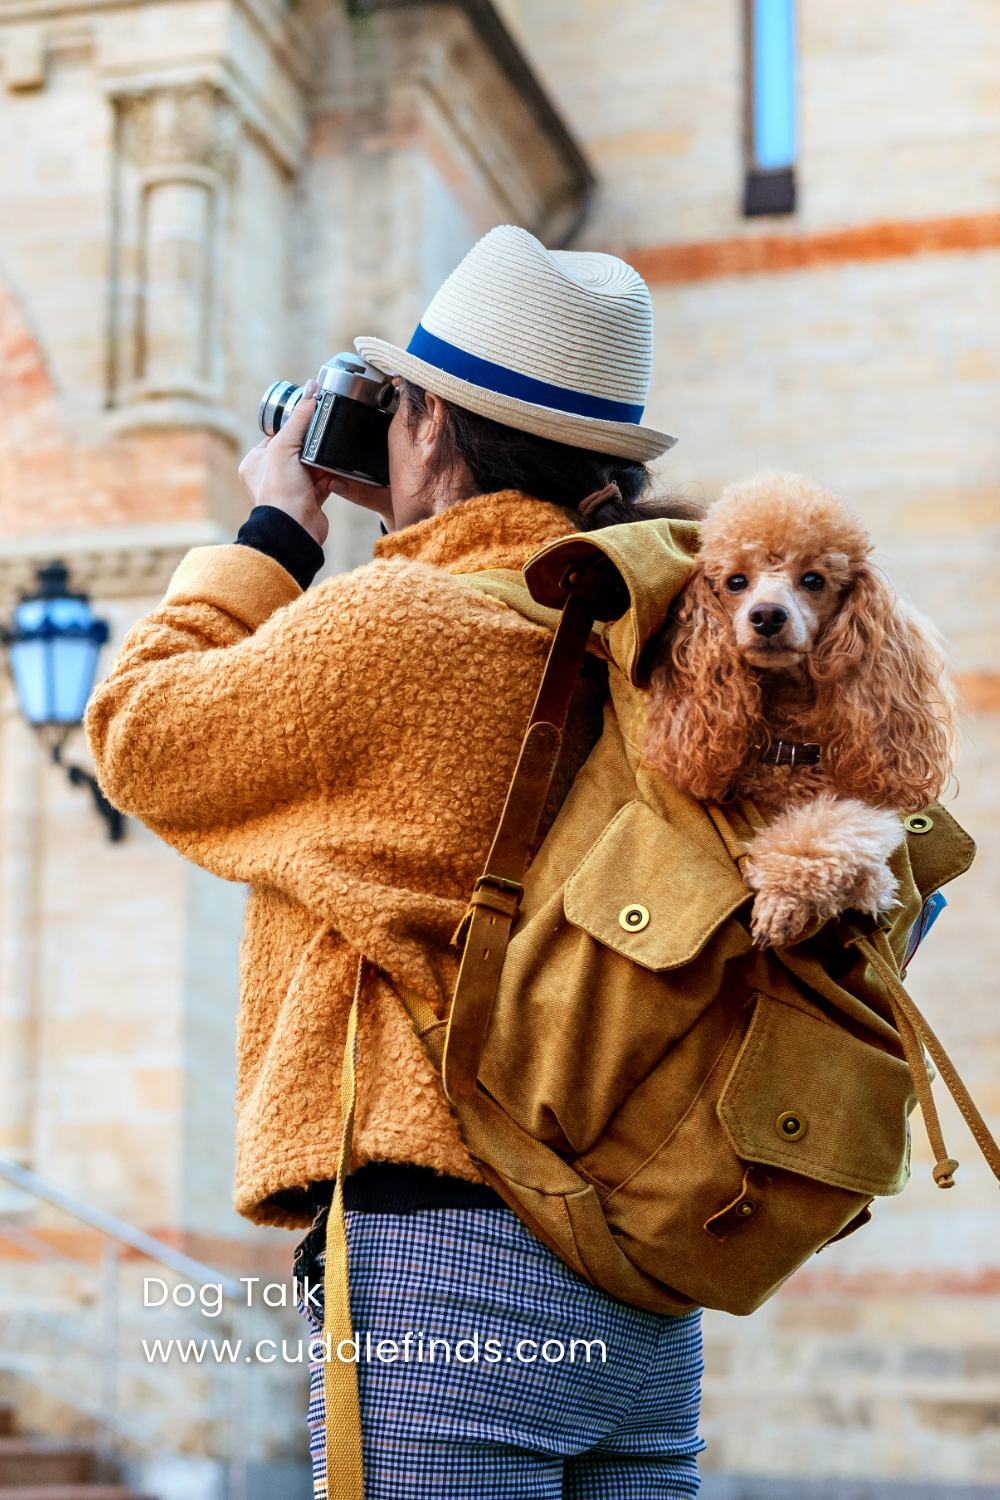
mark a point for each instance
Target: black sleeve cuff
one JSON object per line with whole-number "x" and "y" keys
{"x": 276, "y": 534}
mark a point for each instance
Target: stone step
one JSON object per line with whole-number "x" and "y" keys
{"x": 27, "y": 1464}
{"x": 69, "y": 1492}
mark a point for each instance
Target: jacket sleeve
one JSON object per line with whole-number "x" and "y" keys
{"x": 199, "y": 723}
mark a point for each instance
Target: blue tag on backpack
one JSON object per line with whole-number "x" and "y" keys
{"x": 929, "y": 913}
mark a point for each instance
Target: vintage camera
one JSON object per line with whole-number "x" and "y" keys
{"x": 349, "y": 432}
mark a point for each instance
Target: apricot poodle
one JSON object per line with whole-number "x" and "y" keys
{"x": 792, "y": 674}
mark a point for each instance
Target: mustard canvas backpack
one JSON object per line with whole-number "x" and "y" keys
{"x": 682, "y": 1118}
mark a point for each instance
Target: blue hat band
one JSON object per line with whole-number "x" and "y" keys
{"x": 491, "y": 377}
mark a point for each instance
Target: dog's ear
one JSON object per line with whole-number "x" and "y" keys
{"x": 885, "y": 708}
{"x": 703, "y": 706}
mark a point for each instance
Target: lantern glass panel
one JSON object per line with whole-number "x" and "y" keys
{"x": 31, "y": 615}
{"x": 27, "y": 661}
{"x": 73, "y": 663}
{"x": 54, "y": 650}
{"x": 69, "y": 614}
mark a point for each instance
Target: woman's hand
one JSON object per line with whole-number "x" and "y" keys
{"x": 273, "y": 474}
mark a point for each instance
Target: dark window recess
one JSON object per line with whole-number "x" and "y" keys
{"x": 769, "y": 192}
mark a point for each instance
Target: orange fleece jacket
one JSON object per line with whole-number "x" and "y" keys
{"x": 346, "y": 752}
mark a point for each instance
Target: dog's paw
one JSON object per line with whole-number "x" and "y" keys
{"x": 778, "y": 917}
{"x": 818, "y": 860}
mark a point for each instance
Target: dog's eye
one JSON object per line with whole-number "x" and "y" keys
{"x": 814, "y": 582}
{"x": 737, "y": 583}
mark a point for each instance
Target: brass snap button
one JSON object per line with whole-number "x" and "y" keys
{"x": 792, "y": 1125}
{"x": 746, "y": 1209}
{"x": 633, "y": 918}
{"x": 918, "y": 823}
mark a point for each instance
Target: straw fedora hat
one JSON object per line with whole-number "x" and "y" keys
{"x": 555, "y": 342}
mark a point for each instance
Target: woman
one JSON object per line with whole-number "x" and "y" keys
{"x": 346, "y": 751}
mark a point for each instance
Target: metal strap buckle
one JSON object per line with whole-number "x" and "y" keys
{"x": 509, "y": 887}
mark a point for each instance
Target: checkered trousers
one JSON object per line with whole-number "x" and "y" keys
{"x": 481, "y": 1374}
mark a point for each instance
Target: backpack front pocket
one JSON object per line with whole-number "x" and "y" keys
{"x": 724, "y": 1204}
{"x": 646, "y": 890}
{"x": 588, "y": 1003}
{"x": 808, "y": 1096}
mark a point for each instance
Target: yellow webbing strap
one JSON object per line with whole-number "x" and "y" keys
{"x": 422, "y": 1017}
{"x": 345, "y": 1475}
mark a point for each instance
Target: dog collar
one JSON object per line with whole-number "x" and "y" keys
{"x": 788, "y": 753}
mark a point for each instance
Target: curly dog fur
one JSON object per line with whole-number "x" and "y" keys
{"x": 818, "y": 859}
{"x": 852, "y": 668}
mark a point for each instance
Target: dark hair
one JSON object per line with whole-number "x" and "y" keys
{"x": 498, "y": 457}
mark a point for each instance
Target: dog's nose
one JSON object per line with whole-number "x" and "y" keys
{"x": 768, "y": 619}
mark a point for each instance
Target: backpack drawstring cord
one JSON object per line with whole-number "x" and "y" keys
{"x": 913, "y": 1030}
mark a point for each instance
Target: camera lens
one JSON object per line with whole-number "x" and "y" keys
{"x": 280, "y": 400}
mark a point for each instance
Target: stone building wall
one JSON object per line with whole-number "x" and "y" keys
{"x": 126, "y": 283}
{"x": 196, "y": 197}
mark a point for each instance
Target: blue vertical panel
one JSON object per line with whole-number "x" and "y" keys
{"x": 774, "y": 84}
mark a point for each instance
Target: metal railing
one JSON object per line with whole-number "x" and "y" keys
{"x": 117, "y": 1229}
{"x": 45, "y": 1344}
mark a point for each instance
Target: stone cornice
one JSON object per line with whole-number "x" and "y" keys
{"x": 280, "y": 32}
{"x": 107, "y": 562}
{"x": 278, "y": 26}
{"x": 175, "y": 412}
{"x": 286, "y": 140}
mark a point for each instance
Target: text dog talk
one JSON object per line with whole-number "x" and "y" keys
{"x": 210, "y": 1294}
{"x": 414, "y": 1342}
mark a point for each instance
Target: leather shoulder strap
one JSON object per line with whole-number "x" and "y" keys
{"x": 592, "y": 590}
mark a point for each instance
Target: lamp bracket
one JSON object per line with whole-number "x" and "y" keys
{"x": 79, "y": 777}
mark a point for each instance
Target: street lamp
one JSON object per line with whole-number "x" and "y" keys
{"x": 53, "y": 643}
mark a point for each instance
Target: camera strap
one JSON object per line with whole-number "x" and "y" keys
{"x": 345, "y": 1475}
